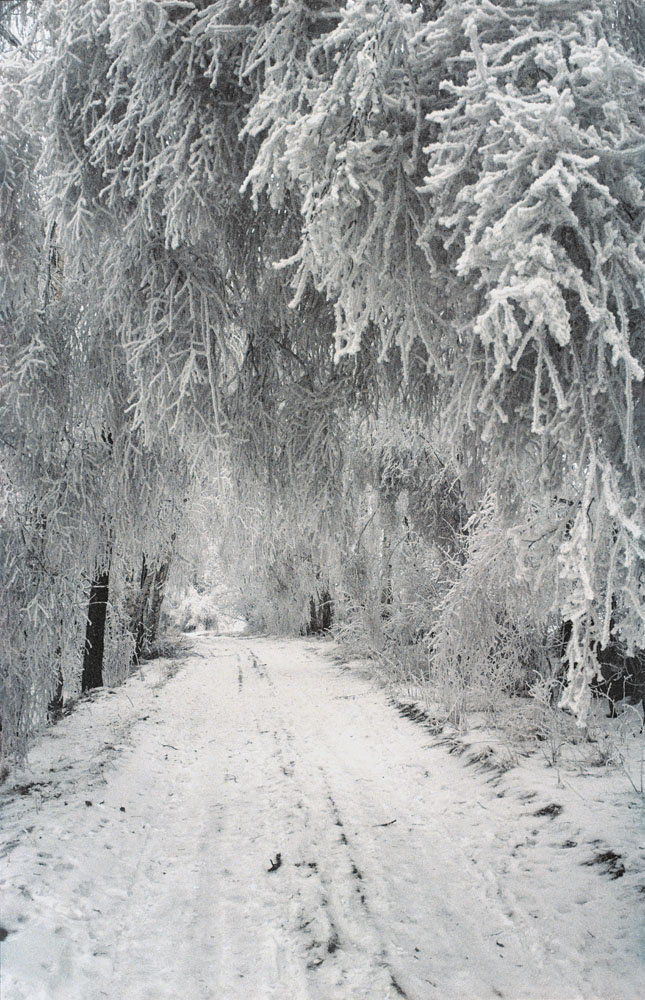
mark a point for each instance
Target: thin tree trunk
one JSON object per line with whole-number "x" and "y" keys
{"x": 138, "y": 618}
{"x": 389, "y": 523}
{"x": 326, "y": 611}
{"x": 321, "y": 613}
{"x": 387, "y": 595}
{"x": 55, "y": 706}
{"x": 158, "y": 592}
{"x": 95, "y": 633}
{"x": 92, "y": 675}
{"x": 313, "y": 628}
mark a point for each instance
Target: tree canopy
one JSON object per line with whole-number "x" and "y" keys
{"x": 364, "y": 263}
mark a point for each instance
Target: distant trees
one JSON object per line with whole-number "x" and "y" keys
{"x": 383, "y": 264}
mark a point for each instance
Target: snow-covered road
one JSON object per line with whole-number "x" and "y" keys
{"x": 265, "y": 825}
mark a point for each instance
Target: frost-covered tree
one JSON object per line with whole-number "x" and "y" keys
{"x": 546, "y": 217}
{"x": 82, "y": 496}
{"x": 291, "y": 217}
{"x": 470, "y": 183}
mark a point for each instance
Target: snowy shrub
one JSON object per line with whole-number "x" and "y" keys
{"x": 489, "y": 637}
{"x": 193, "y": 609}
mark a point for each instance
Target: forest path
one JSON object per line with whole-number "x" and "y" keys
{"x": 272, "y": 828}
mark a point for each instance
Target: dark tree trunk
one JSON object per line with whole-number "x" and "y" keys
{"x": 92, "y": 676}
{"x": 158, "y": 591}
{"x": 95, "y": 633}
{"x": 314, "y": 626}
{"x": 321, "y": 613}
{"x": 326, "y": 611}
{"x": 139, "y": 612}
{"x": 55, "y": 706}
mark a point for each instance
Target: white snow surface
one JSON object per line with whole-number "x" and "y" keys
{"x": 137, "y": 847}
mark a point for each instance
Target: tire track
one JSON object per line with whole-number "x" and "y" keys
{"x": 334, "y": 926}
{"x": 274, "y": 830}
